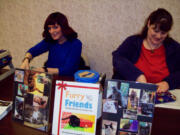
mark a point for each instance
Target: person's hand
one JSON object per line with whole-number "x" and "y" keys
{"x": 25, "y": 64}
{"x": 162, "y": 87}
{"x": 141, "y": 79}
{"x": 26, "y": 61}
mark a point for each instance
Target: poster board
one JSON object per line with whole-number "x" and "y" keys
{"x": 128, "y": 108}
{"x": 31, "y": 102}
{"x": 75, "y": 108}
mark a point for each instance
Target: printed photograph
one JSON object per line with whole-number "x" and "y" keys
{"x": 110, "y": 86}
{"x": 36, "y": 82}
{"x": 144, "y": 128}
{"x": 124, "y": 94}
{"x": 147, "y": 96}
{"x": 109, "y": 127}
{"x": 130, "y": 114}
{"x": 118, "y": 91}
{"x": 78, "y": 122}
{"x": 19, "y": 76}
{"x": 133, "y": 98}
{"x": 146, "y": 109}
{"x": 22, "y": 89}
{"x": 110, "y": 106}
{"x": 19, "y": 104}
{"x": 129, "y": 125}
{"x": 35, "y": 111}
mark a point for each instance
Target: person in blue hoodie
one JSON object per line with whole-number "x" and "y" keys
{"x": 64, "y": 48}
{"x": 151, "y": 56}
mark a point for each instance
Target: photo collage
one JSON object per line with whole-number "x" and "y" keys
{"x": 32, "y": 98}
{"x": 128, "y": 108}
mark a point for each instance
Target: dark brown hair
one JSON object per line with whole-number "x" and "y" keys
{"x": 161, "y": 18}
{"x": 61, "y": 19}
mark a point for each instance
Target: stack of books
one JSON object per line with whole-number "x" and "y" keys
{"x": 5, "y": 107}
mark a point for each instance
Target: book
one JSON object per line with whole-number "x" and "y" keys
{"x": 5, "y": 108}
{"x": 128, "y": 108}
{"x": 31, "y": 103}
{"x": 75, "y": 108}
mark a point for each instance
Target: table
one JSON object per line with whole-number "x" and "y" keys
{"x": 166, "y": 116}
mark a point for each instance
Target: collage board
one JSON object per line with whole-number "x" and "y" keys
{"x": 128, "y": 108}
{"x": 31, "y": 101}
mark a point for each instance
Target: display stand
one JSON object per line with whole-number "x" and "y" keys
{"x": 5, "y": 61}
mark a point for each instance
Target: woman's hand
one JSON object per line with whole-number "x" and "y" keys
{"x": 26, "y": 61}
{"x": 141, "y": 79}
{"x": 162, "y": 87}
{"x": 25, "y": 64}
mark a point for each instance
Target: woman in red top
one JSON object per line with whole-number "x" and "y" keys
{"x": 151, "y": 56}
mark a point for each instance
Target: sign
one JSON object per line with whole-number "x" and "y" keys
{"x": 128, "y": 108}
{"x": 75, "y": 108}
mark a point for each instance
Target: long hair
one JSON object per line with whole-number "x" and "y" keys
{"x": 61, "y": 19}
{"x": 161, "y": 18}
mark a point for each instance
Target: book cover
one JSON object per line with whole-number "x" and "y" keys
{"x": 5, "y": 107}
{"x": 75, "y": 108}
{"x": 31, "y": 104}
{"x": 128, "y": 108}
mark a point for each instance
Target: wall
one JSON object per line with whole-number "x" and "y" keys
{"x": 101, "y": 24}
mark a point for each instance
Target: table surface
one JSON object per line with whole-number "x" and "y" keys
{"x": 166, "y": 116}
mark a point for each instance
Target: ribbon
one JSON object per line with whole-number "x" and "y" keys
{"x": 62, "y": 86}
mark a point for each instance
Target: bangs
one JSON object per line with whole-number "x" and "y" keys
{"x": 163, "y": 25}
{"x": 50, "y": 22}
